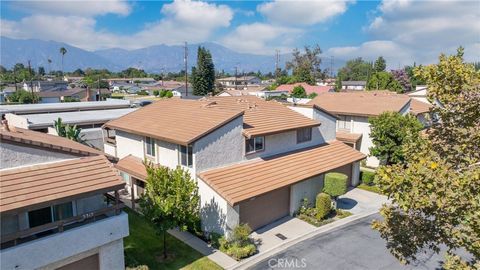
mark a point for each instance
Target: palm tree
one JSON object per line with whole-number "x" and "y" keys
{"x": 63, "y": 51}
{"x": 49, "y": 65}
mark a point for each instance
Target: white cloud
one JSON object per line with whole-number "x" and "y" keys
{"x": 302, "y": 12}
{"x": 183, "y": 20}
{"x": 261, "y": 38}
{"x": 73, "y": 7}
{"x": 405, "y": 31}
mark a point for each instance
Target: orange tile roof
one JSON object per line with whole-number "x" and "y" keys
{"x": 418, "y": 107}
{"x": 308, "y": 88}
{"x": 133, "y": 166}
{"x": 240, "y": 182}
{"x": 39, "y": 139}
{"x": 262, "y": 117}
{"x": 42, "y": 184}
{"x": 362, "y": 103}
{"x": 348, "y": 137}
{"x": 174, "y": 120}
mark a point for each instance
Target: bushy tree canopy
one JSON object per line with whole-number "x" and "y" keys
{"x": 435, "y": 191}
{"x": 299, "y": 92}
{"x": 380, "y": 64}
{"x": 383, "y": 81}
{"x": 354, "y": 70}
{"x": 306, "y": 66}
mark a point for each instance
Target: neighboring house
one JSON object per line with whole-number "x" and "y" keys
{"x": 420, "y": 93}
{"x": 353, "y": 110}
{"x": 254, "y": 160}
{"x": 64, "y": 107}
{"x": 39, "y": 86}
{"x": 72, "y": 79}
{"x": 89, "y": 121}
{"x": 239, "y": 82}
{"x": 54, "y": 214}
{"x": 259, "y": 92}
{"x": 113, "y": 81}
{"x": 309, "y": 89}
{"x": 81, "y": 94}
{"x": 354, "y": 85}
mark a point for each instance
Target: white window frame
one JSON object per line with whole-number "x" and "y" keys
{"x": 255, "y": 150}
{"x": 150, "y": 146}
{"x": 189, "y": 160}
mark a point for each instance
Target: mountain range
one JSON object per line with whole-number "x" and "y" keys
{"x": 157, "y": 59}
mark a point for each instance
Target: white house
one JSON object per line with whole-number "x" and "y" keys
{"x": 239, "y": 82}
{"x": 254, "y": 160}
{"x": 54, "y": 214}
{"x": 354, "y": 85}
{"x": 353, "y": 110}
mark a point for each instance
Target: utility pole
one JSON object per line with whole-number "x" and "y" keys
{"x": 186, "y": 72}
{"x": 277, "y": 62}
{"x": 15, "y": 78}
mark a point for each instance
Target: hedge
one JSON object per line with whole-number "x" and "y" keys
{"x": 335, "y": 184}
{"x": 323, "y": 205}
{"x": 367, "y": 177}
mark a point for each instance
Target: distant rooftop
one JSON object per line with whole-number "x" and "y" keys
{"x": 64, "y": 106}
{"x": 353, "y": 83}
{"x": 36, "y": 121}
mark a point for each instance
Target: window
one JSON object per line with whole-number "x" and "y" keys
{"x": 186, "y": 156}
{"x": 150, "y": 146}
{"x": 304, "y": 135}
{"x": 110, "y": 136}
{"x": 344, "y": 122}
{"x": 254, "y": 144}
{"x": 62, "y": 211}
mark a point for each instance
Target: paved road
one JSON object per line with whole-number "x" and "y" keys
{"x": 353, "y": 247}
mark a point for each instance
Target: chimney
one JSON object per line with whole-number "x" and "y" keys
{"x": 87, "y": 97}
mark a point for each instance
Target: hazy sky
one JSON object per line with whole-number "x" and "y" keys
{"x": 402, "y": 31}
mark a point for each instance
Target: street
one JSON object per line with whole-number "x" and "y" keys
{"x": 355, "y": 246}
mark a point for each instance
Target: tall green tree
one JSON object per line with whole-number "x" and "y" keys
{"x": 170, "y": 200}
{"x": 380, "y": 64}
{"x": 389, "y": 132}
{"x": 63, "y": 51}
{"x": 203, "y": 75}
{"x": 435, "y": 192}
{"x": 354, "y": 70}
{"x": 384, "y": 81}
{"x": 306, "y": 66}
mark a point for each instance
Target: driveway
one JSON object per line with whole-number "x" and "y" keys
{"x": 351, "y": 247}
{"x": 359, "y": 201}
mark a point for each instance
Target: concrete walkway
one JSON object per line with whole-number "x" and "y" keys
{"x": 199, "y": 245}
{"x": 359, "y": 201}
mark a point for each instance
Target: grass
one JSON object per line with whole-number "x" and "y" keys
{"x": 370, "y": 188}
{"x": 144, "y": 247}
{"x": 333, "y": 216}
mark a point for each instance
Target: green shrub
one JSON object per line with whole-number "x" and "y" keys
{"x": 169, "y": 94}
{"x": 162, "y": 93}
{"x": 142, "y": 93}
{"x": 367, "y": 177}
{"x": 240, "y": 252}
{"x": 156, "y": 93}
{"x": 323, "y": 205}
{"x": 335, "y": 184}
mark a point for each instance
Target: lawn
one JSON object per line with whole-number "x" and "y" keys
{"x": 144, "y": 247}
{"x": 370, "y": 188}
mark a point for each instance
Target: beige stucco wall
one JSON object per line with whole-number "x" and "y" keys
{"x": 306, "y": 189}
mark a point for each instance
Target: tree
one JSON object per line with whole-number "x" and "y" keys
{"x": 49, "y": 65}
{"x": 203, "y": 75}
{"x": 299, "y": 92}
{"x": 389, "y": 132}
{"x": 63, "y": 51}
{"x": 380, "y": 64}
{"x": 170, "y": 200}
{"x": 23, "y": 97}
{"x": 435, "y": 191}
{"x": 156, "y": 92}
{"x": 383, "y": 81}
{"x": 68, "y": 131}
{"x": 41, "y": 71}
{"x": 306, "y": 67}
{"x": 402, "y": 78}
{"x": 354, "y": 70}
{"x": 414, "y": 80}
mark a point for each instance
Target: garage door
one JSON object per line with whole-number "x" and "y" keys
{"x": 265, "y": 209}
{"x": 90, "y": 262}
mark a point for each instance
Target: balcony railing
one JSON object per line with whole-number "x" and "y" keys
{"x": 19, "y": 237}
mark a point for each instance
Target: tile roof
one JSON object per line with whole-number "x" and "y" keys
{"x": 361, "y": 103}
{"x": 133, "y": 166}
{"x": 39, "y": 139}
{"x": 240, "y": 182}
{"x": 174, "y": 120}
{"x": 418, "y": 107}
{"x": 348, "y": 137}
{"x": 262, "y": 117}
{"x": 42, "y": 184}
{"x": 308, "y": 88}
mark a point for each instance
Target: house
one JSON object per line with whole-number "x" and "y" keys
{"x": 254, "y": 160}
{"x": 238, "y": 82}
{"x": 113, "y": 81}
{"x": 39, "y": 86}
{"x": 80, "y": 94}
{"x": 89, "y": 121}
{"x": 309, "y": 89}
{"x": 354, "y": 85}
{"x": 64, "y": 107}
{"x": 353, "y": 110}
{"x": 53, "y": 208}
{"x": 259, "y": 91}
